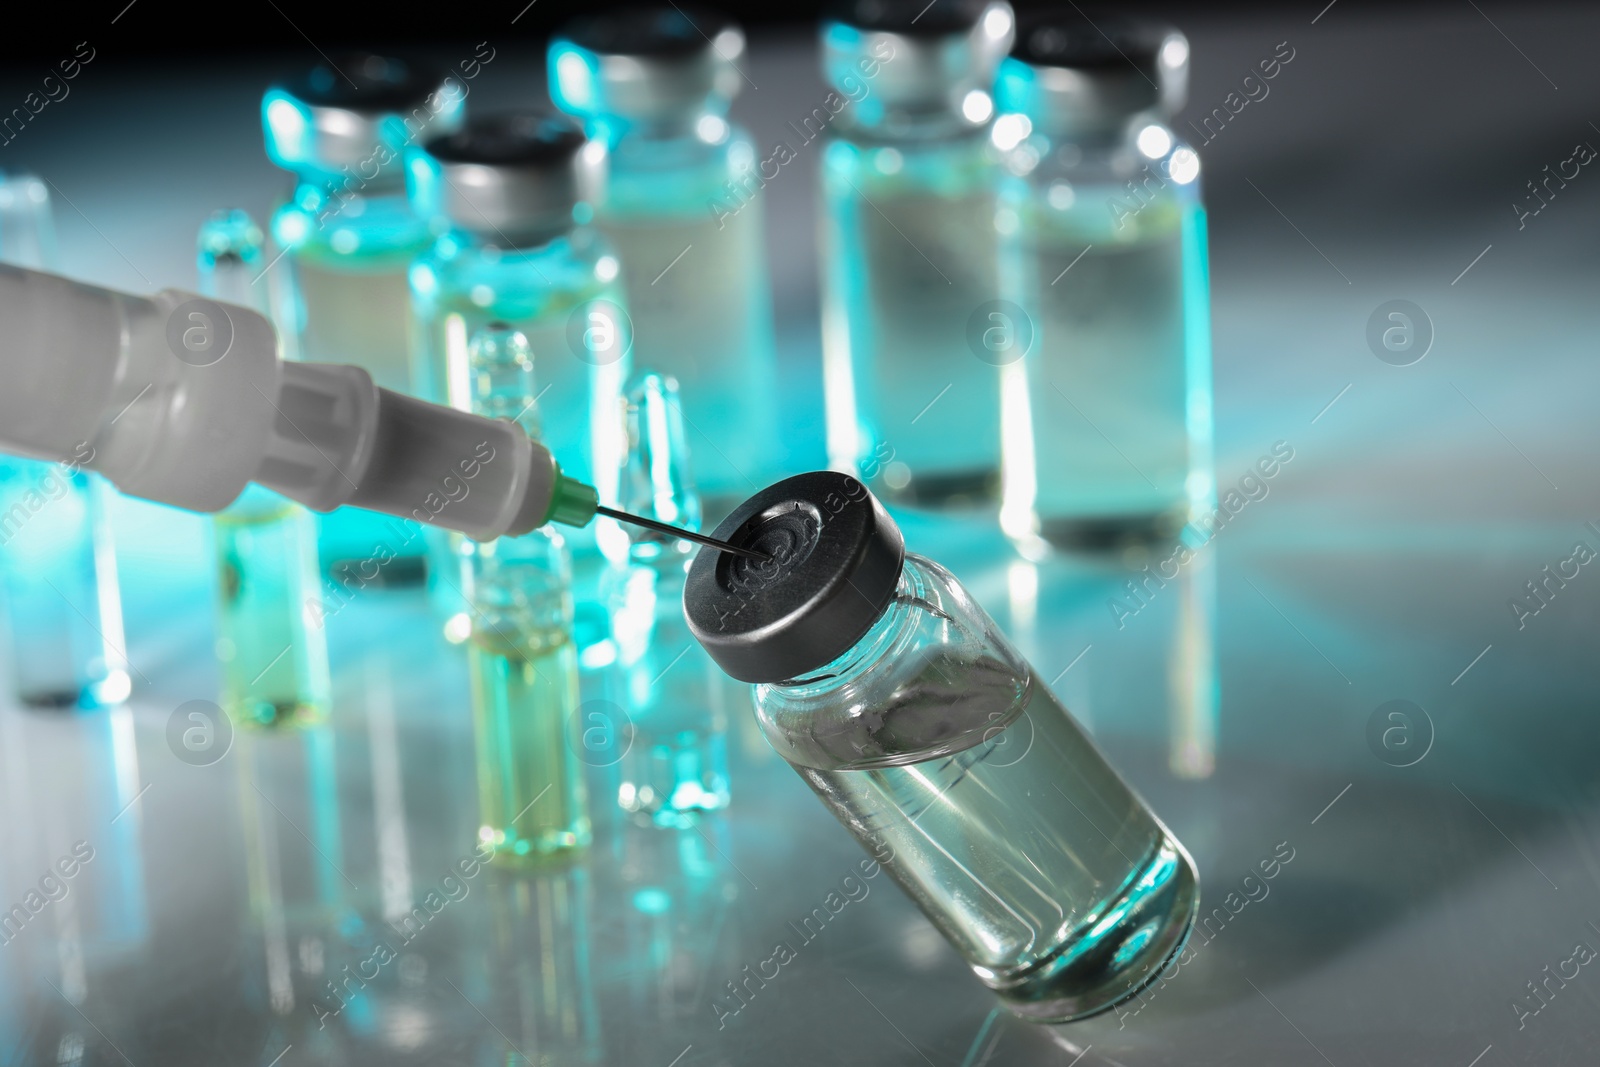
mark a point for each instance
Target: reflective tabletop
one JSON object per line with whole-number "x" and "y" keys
{"x": 1365, "y": 707}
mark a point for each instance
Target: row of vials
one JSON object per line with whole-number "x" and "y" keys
{"x": 1014, "y": 319}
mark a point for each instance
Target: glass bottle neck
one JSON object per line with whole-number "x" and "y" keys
{"x": 894, "y": 626}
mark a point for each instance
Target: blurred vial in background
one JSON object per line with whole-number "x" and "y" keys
{"x": 925, "y": 732}
{"x": 517, "y": 251}
{"x": 63, "y": 608}
{"x": 524, "y": 669}
{"x": 909, "y": 246}
{"x": 348, "y": 233}
{"x": 677, "y": 765}
{"x": 271, "y": 644}
{"x": 679, "y": 202}
{"x": 1108, "y": 416}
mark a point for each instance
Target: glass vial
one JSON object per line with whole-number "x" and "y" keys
{"x": 909, "y": 247}
{"x": 532, "y": 803}
{"x": 919, "y": 726}
{"x": 270, "y": 640}
{"x": 680, "y": 205}
{"x": 517, "y": 251}
{"x": 677, "y": 699}
{"x": 62, "y": 604}
{"x": 348, "y": 235}
{"x": 1105, "y": 252}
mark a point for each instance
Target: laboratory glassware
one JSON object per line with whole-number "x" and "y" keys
{"x": 62, "y": 602}
{"x": 195, "y": 430}
{"x": 1109, "y": 411}
{"x": 909, "y": 247}
{"x": 271, "y": 642}
{"x": 348, "y": 234}
{"x": 532, "y": 802}
{"x": 678, "y": 702}
{"x": 680, "y": 202}
{"x": 897, "y": 699}
{"x": 518, "y": 250}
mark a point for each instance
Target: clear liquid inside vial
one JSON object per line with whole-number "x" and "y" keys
{"x": 1118, "y": 384}
{"x": 910, "y": 249}
{"x": 274, "y": 666}
{"x": 523, "y": 669}
{"x": 697, "y": 291}
{"x": 349, "y": 303}
{"x": 1007, "y": 827}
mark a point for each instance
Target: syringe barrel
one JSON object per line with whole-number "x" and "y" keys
{"x": 183, "y": 400}
{"x": 341, "y": 440}
{"x": 165, "y": 395}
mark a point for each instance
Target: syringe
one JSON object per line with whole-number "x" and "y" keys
{"x": 183, "y": 400}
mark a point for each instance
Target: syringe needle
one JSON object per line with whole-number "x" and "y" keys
{"x": 702, "y": 539}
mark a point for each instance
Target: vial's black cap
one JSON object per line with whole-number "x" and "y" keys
{"x": 836, "y": 559}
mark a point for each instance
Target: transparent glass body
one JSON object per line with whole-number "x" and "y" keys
{"x": 682, "y": 209}
{"x": 524, "y": 672}
{"x": 523, "y": 666}
{"x": 344, "y": 300}
{"x": 909, "y": 257}
{"x": 677, "y": 765}
{"x": 58, "y": 573}
{"x": 63, "y": 612}
{"x": 1109, "y": 414}
{"x": 564, "y": 298}
{"x": 270, "y": 643}
{"x": 933, "y": 740}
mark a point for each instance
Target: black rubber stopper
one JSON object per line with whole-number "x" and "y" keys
{"x": 909, "y": 18}
{"x": 664, "y": 32}
{"x": 511, "y": 138}
{"x": 1093, "y": 41}
{"x": 836, "y": 558}
{"x": 366, "y": 82}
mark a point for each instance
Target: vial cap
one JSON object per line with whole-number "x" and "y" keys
{"x": 1075, "y": 72}
{"x": 836, "y": 560}
{"x": 357, "y": 111}
{"x": 915, "y": 57}
{"x": 511, "y": 177}
{"x": 646, "y": 64}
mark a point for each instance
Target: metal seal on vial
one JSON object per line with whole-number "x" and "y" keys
{"x": 1072, "y": 74}
{"x": 511, "y": 178}
{"x": 835, "y": 561}
{"x": 645, "y": 64}
{"x": 357, "y": 112}
{"x": 922, "y": 57}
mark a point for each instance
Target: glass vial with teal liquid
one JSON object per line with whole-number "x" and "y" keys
{"x": 271, "y": 644}
{"x": 62, "y": 604}
{"x": 898, "y": 700}
{"x": 348, "y": 234}
{"x": 677, "y": 764}
{"x": 532, "y": 801}
{"x": 680, "y": 205}
{"x": 909, "y": 247}
{"x": 518, "y": 250}
{"x": 1106, "y": 261}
